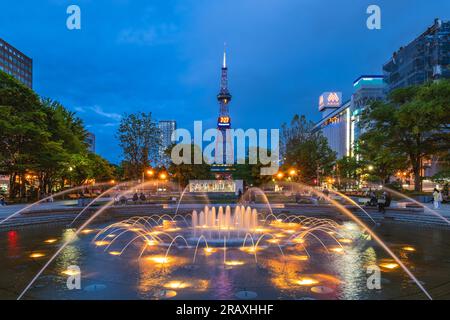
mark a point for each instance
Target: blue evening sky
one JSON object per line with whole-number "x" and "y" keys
{"x": 165, "y": 56}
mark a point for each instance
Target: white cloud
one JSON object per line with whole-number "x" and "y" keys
{"x": 153, "y": 35}
{"x": 111, "y": 115}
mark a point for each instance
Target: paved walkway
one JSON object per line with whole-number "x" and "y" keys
{"x": 10, "y": 209}
{"x": 443, "y": 210}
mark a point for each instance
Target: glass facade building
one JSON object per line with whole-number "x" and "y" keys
{"x": 367, "y": 88}
{"x": 425, "y": 59}
{"x": 340, "y": 125}
{"x": 90, "y": 140}
{"x": 166, "y": 127}
{"x": 16, "y": 64}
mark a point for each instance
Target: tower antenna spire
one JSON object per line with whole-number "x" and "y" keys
{"x": 224, "y": 55}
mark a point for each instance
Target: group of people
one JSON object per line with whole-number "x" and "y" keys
{"x": 2, "y": 201}
{"x": 382, "y": 202}
{"x": 136, "y": 197}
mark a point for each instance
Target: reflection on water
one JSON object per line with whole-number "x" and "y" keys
{"x": 219, "y": 274}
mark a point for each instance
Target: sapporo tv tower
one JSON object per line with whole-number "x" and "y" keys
{"x": 220, "y": 167}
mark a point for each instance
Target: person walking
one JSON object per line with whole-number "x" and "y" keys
{"x": 437, "y": 198}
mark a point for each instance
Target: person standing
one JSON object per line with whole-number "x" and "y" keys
{"x": 437, "y": 198}
{"x": 382, "y": 203}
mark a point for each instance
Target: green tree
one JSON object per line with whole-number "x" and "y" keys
{"x": 251, "y": 173}
{"x": 23, "y": 131}
{"x": 41, "y": 138}
{"x": 67, "y": 138}
{"x": 379, "y": 162}
{"x": 347, "y": 171}
{"x": 413, "y": 123}
{"x": 140, "y": 139}
{"x": 305, "y": 150}
{"x": 185, "y": 172}
{"x": 102, "y": 170}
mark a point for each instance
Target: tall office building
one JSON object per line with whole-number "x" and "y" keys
{"x": 367, "y": 88}
{"x": 167, "y": 127}
{"x": 15, "y": 63}
{"x": 335, "y": 122}
{"x": 340, "y": 121}
{"x": 425, "y": 59}
{"x": 90, "y": 140}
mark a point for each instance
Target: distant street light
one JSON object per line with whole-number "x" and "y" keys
{"x": 150, "y": 172}
{"x": 292, "y": 172}
{"x": 370, "y": 167}
{"x": 280, "y": 175}
{"x": 163, "y": 176}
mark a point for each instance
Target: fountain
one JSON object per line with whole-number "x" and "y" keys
{"x": 277, "y": 248}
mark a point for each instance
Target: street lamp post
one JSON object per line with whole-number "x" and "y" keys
{"x": 292, "y": 174}
{"x": 150, "y": 172}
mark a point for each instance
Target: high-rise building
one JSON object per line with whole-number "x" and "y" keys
{"x": 340, "y": 121}
{"x": 90, "y": 140}
{"x": 335, "y": 122}
{"x": 224, "y": 152}
{"x": 425, "y": 59}
{"x": 15, "y": 63}
{"x": 166, "y": 127}
{"x": 368, "y": 88}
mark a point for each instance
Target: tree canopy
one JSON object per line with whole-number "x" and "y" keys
{"x": 140, "y": 139}
{"x": 42, "y": 141}
{"x": 305, "y": 150}
{"x": 411, "y": 126}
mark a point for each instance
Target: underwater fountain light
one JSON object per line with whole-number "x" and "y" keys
{"x": 51, "y": 240}
{"x": 306, "y": 281}
{"x": 149, "y": 242}
{"x": 37, "y": 255}
{"x": 159, "y": 259}
{"x": 389, "y": 265}
{"x": 410, "y": 249}
{"x": 250, "y": 250}
{"x": 114, "y": 253}
{"x": 234, "y": 263}
{"x": 176, "y": 285}
{"x": 337, "y": 250}
{"x": 101, "y": 243}
{"x": 209, "y": 251}
{"x": 298, "y": 240}
{"x": 300, "y": 257}
{"x": 70, "y": 272}
{"x": 87, "y": 231}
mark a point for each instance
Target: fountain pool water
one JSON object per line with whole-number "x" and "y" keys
{"x": 219, "y": 227}
{"x": 170, "y": 256}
